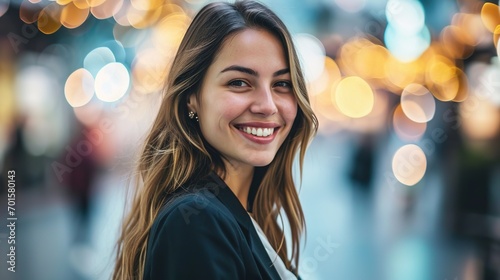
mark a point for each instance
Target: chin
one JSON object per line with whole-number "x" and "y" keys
{"x": 262, "y": 162}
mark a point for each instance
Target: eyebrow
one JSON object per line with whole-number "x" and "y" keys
{"x": 252, "y": 72}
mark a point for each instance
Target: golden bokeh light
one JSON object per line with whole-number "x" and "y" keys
{"x": 405, "y": 128}
{"x": 417, "y": 103}
{"x": 347, "y": 54}
{"x": 370, "y": 62}
{"x": 167, "y": 34}
{"x": 409, "y": 164}
{"x": 95, "y": 3}
{"x": 49, "y": 19}
{"x": 146, "y": 5}
{"x": 149, "y": 71}
{"x": 496, "y": 35}
{"x": 498, "y": 47}
{"x": 81, "y": 4}
{"x": 442, "y": 78}
{"x": 472, "y": 26}
{"x": 63, "y": 2}
{"x": 354, "y": 97}
{"x": 106, "y": 9}
{"x": 400, "y": 74}
{"x": 376, "y": 120}
{"x": 141, "y": 19}
{"x": 322, "y": 92}
{"x": 490, "y": 14}
{"x": 457, "y": 42}
{"x": 79, "y": 88}
{"x": 480, "y": 118}
{"x": 463, "y": 86}
{"x": 72, "y": 16}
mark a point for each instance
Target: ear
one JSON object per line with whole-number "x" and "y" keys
{"x": 192, "y": 103}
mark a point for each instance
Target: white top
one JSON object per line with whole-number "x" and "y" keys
{"x": 284, "y": 273}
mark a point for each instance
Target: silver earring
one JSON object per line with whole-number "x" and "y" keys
{"x": 193, "y": 115}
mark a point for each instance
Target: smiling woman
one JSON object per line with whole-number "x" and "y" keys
{"x": 216, "y": 167}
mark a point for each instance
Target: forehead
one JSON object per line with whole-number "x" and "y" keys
{"x": 250, "y": 48}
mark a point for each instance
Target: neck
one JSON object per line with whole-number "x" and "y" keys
{"x": 239, "y": 179}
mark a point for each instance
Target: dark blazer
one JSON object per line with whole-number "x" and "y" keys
{"x": 204, "y": 232}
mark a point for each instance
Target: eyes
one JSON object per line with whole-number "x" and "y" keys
{"x": 279, "y": 86}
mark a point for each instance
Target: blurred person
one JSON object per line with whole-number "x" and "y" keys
{"x": 216, "y": 167}
{"x": 79, "y": 182}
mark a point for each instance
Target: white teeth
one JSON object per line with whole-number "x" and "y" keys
{"x": 261, "y": 132}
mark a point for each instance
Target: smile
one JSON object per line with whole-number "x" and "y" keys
{"x": 257, "y": 131}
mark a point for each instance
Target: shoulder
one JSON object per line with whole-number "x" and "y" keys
{"x": 195, "y": 230}
{"x": 192, "y": 213}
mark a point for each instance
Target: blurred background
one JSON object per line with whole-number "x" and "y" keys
{"x": 402, "y": 181}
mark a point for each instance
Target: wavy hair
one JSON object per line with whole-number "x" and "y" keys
{"x": 175, "y": 152}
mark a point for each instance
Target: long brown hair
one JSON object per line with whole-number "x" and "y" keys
{"x": 175, "y": 152}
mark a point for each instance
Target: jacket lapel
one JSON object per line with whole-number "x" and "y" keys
{"x": 227, "y": 197}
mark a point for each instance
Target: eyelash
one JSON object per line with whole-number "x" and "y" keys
{"x": 287, "y": 84}
{"x": 234, "y": 83}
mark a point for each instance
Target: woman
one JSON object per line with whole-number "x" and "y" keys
{"x": 216, "y": 168}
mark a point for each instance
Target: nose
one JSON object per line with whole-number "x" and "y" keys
{"x": 264, "y": 102}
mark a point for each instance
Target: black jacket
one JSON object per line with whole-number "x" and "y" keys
{"x": 204, "y": 232}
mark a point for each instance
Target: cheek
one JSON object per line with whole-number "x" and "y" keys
{"x": 218, "y": 114}
{"x": 289, "y": 109}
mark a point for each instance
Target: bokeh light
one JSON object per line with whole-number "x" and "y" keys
{"x": 354, "y": 97}
{"x": 117, "y": 49}
{"x": 406, "y": 35}
{"x": 490, "y": 14}
{"x": 480, "y": 118}
{"x": 37, "y": 96}
{"x": 405, "y": 128}
{"x": 49, "y": 19}
{"x": 112, "y": 82}
{"x": 98, "y": 58}
{"x": 312, "y": 54}
{"x": 4, "y": 6}
{"x": 141, "y": 19}
{"x": 405, "y": 16}
{"x": 149, "y": 70}
{"x": 79, "y": 88}
{"x": 442, "y": 76}
{"x": 418, "y": 103}
{"x": 72, "y": 16}
{"x": 489, "y": 85}
{"x": 409, "y": 164}
{"x": 28, "y": 12}
{"x": 106, "y": 9}
{"x": 407, "y": 47}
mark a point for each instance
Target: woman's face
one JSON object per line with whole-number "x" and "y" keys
{"x": 246, "y": 106}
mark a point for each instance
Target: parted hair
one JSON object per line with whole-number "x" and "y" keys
{"x": 175, "y": 152}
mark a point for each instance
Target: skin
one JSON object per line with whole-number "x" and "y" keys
{"x": 247, "y": 85}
